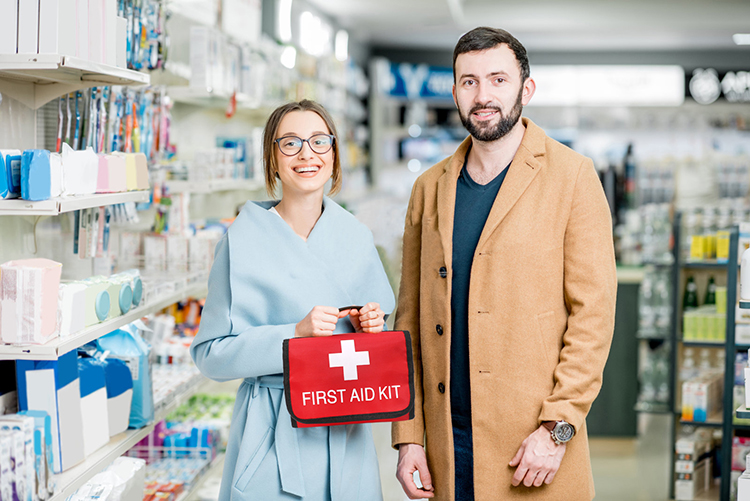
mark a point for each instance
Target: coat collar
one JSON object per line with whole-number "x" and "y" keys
{"x": 522, "y": 171}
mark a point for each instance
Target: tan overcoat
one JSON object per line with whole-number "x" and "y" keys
{"x": 541, "y": 315}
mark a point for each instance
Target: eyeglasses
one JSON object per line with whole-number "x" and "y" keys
{"x": 319, "y": 143}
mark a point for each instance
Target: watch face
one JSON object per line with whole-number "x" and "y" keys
{"x": 563, "y": 432}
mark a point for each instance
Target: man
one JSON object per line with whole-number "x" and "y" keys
{"x": 509, "y": 294}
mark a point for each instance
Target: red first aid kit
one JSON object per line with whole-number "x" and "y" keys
{"x": 349, "y": 378}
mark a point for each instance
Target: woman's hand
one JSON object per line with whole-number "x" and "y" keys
{"x": 369, "y": 318}
{"x": 321, "y": 321}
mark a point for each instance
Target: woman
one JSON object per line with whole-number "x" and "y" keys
{"x": 283, "y": 270}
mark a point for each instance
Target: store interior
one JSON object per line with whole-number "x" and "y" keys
{"x": 135, "y": 131}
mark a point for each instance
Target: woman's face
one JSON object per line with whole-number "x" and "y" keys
{"x": 305, "y": 171}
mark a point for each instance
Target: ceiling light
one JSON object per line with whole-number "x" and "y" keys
{"x": 741, "y": 38}
{"x": 342, "y": 45}
{"x": 289, "y": 57}
{"x": 284, "y": 20}
{"x": 414, "y": 165}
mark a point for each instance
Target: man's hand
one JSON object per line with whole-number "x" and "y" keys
{"x": 411, "y": 458}
{"x": 538, "y": 459}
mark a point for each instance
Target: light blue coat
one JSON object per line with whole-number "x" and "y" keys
{"x": 264, "y": 280}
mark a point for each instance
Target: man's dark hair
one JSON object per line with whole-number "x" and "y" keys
{"x": 484, "y": 38}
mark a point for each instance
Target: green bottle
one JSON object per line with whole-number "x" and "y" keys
{"x": 690, "y": 298}
{"x": 710, "y": 292}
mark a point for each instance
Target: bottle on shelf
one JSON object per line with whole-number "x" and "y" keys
{"x": 710, "y": 292}
{"x": 662, "y": 304}
{"x": 690, "y": 297}
{"x": 689, "y": 369}
{"x": 646, "y": 312}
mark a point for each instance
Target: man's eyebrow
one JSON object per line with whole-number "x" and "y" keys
{"x": 467, "y": 75}
{"x": 498, "y": 73}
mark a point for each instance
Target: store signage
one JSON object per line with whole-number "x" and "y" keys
{"x": 420, "y": 81}
{"x": 558, "y": 85}
{"x": 707, "y": 85}
{"x": 608, "y": 85}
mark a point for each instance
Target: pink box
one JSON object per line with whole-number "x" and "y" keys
{"x": 29, "y": 300}
{"x": 102, "y": 181}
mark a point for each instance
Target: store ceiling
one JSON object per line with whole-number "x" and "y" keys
{"x": 548, "y": 25}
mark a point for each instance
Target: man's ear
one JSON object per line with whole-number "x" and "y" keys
{"x": 529, "y": 88}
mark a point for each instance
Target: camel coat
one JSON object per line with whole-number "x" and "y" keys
{"x": 542, "y": 307}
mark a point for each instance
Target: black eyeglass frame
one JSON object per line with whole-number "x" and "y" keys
{"x": 302, "y": 145}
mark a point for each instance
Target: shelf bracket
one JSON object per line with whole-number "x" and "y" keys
{"x": 37, "y": 95}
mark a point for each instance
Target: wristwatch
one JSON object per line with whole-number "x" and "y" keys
{"x": 560, "y": 431}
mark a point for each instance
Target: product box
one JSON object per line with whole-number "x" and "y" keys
{"x": 97, "y": 300}
{"x": 82, "y": 29}
{"x": 25, "y": 426}
{"x": 72, "y": 300}
{"x": 54, "y": 387}
{"x": 28, "y": 27}
{"x": 45, "y": 483}
{"x": 36, "y": 175}
{"x": 155, "y": 252}
{"x": 93, "y": 405}
{"x": 110, "y": 33}
{"x": 9, "y": 27}
{"x": 57, "y": 27}
{"x": 96, "y": 31}
{"x": 119, "y": 394}
{"x": 18, "y": 476}
{"x": 689, "y": 485}
{"x": 177, "y": 254}
{"x": 200, "y": 254}
{"x": 6, "y": 473}
{"x": 10, "y": 169}
{"x": 28, "y": 301}
{"x": 80, "y": 171}
{"x": 121, "y": 25}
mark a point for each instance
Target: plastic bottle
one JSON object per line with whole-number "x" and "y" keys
{"x": 688, "y": 370}
{"x": 705, "y": 365}
{"x": 690, "y": 298}
{"x": 662, "y": 304}
{"x": 646, "y": 312}
{"x": 710, "y": 292}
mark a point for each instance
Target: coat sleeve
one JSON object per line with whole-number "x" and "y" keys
{"x": 590, "y": 290}
{"x": 407, "y": 317}
{"x": 218, "y": 350}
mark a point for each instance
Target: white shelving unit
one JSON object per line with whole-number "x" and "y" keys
{"x": 57, "y": 206}
{"x": 213, "y": 186}
{"x": 205, "y": 98}
{"x": 36, "y": 79}
{"x": 70, "y": 480}
{"x": 57, "y": 347}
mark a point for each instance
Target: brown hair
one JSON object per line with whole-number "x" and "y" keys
{"x": 269, "y": 136}
{"x": 484, "y": 38}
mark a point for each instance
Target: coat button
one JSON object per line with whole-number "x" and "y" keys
{"x": 439, "y": 329}
{"x": 441, "y": 387}
{"x": 443, "y": 272}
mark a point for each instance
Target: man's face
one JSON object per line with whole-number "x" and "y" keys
{"x": 489, "y": 92}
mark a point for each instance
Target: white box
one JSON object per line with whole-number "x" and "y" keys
{"x": 688, "y": 486}
{"x": 121, "y": 49}
{"x": 9, "y": 27}
{"x": 57, "y": 27}
{"x": 54, "y": 387}
{"x": 82, "y": 29}
{"x": 28, "y": 26}
{"x": 96, "y": 31}
{"x": 743, "y": 487}
{"x": 110, "y": 32}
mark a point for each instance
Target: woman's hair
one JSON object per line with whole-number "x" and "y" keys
{"x": 269, "y": 147}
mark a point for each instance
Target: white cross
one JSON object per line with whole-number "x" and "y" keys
{"x": 349, "y": 359}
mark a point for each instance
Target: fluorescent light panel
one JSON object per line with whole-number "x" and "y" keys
{"x": 284, "y": 21}
{"x": 741, "y": 38}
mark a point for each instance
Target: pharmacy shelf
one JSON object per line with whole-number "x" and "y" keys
{"x": 704, "y": 264}
{"x": 69, "y": 481}
{"x": 58, "y": 347}
{"x": 704, "y": 344}
{"x": 652, "y": 408}
{"x": 206, "y": 98}
{"x": 714, "y": 422}
{"x": 36, "y": 79}
{"x": 213, "y": 186}
{"x": 57, "y": 206}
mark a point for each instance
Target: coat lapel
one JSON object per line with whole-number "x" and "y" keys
{"x": 446, "y": 202}
{"x": 522, "y": 170}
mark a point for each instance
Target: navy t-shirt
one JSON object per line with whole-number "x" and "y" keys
{"x": 473, "y": 204}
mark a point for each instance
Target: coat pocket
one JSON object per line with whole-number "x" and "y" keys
{"x": 260, "y": 453}
{"x": 547, "y": 338}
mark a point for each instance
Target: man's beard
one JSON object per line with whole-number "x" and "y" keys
{"x": 487, "y": 132}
